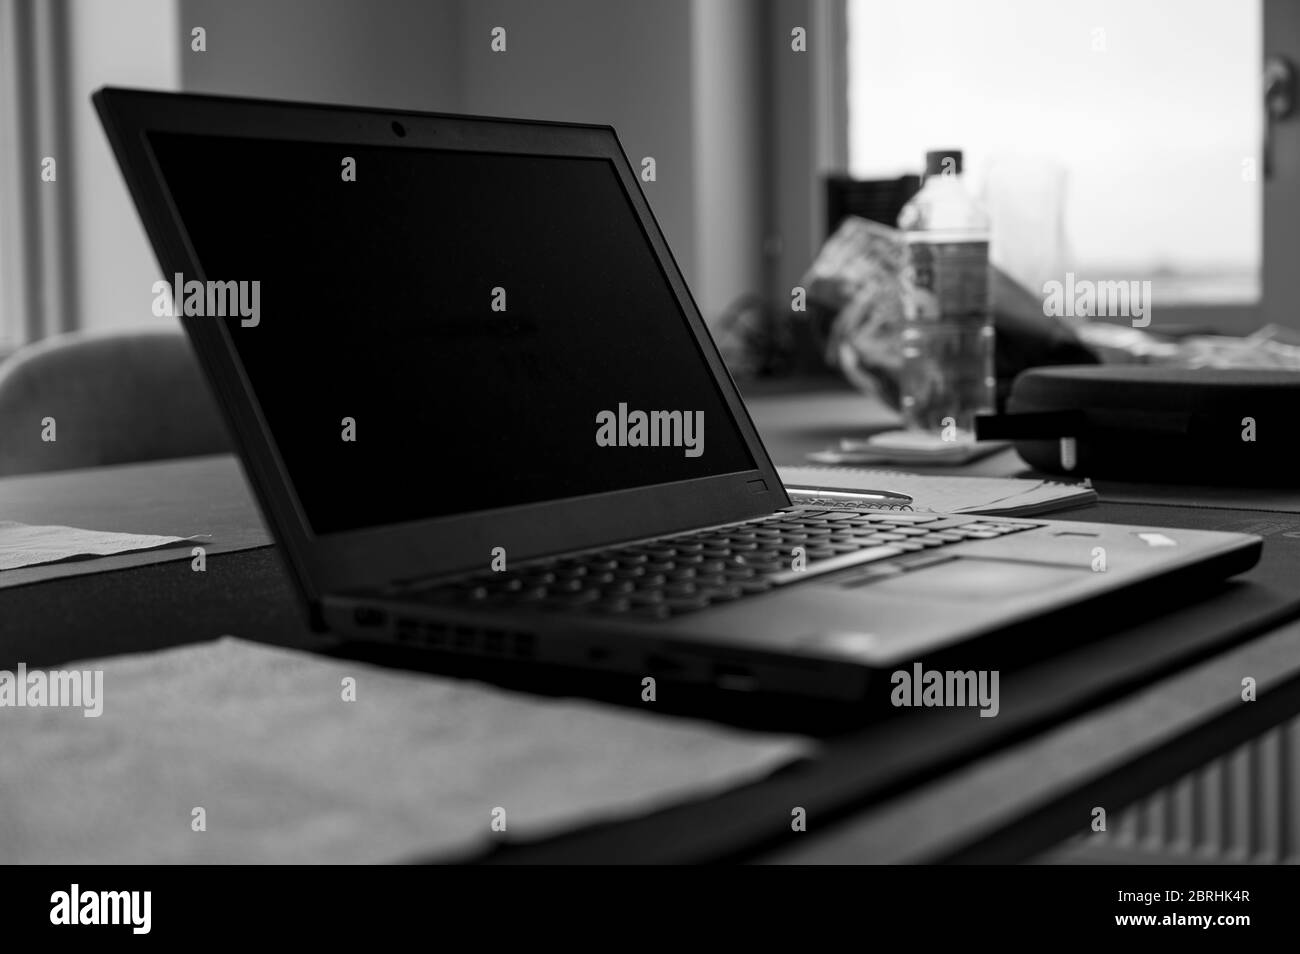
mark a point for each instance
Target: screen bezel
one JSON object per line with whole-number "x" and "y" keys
{"x": 376, "y": 556}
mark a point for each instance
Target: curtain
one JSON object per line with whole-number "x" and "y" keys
{"x": 38, "y": 282}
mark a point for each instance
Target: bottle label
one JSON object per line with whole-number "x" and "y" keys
{"x": 948, "y": 279}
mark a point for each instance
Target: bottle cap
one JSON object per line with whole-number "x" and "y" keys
{"x": 941, "y": 161}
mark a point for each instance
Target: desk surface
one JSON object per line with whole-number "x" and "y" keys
{"x": 1021, "y": 797}
{"x": 201, "y": 497}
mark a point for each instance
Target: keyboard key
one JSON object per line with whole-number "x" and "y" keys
{"x": 948, "y": 523}
{"x": 849, "y": 546}
{"x": 692, "y": 571}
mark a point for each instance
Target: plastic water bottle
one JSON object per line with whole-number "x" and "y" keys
{"x": 947, "y": 375}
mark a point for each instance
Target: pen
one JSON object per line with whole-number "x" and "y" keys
{"x": 885, "y": 496}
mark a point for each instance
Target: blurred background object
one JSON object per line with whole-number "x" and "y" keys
{"x": 947, "y": 372}
{"x": 878, "y": 200}
{"x": 91, "y": 398}
{"x": 1110, "y": 140}
{"x": 1141, "y": 125}
{"x": 1025, "y": 198}
{"x": 857, "y": 280}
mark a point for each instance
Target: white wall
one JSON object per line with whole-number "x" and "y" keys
{"x": 626, "y": 64}
{"x": 676, "y": 78}
{"x": 399, "y": 54}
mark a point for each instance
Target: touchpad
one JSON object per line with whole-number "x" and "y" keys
{"x": 971, "y": 578}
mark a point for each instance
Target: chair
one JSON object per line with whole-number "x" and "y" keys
{"x": 114, "y": 398}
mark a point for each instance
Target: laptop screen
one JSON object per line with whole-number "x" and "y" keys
{"x": 442, "y": 332}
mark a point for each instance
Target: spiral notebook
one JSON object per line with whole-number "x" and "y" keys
{"x": 1002, "y": 496}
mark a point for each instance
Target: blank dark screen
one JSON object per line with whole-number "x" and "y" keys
{"x": 376, "y": 304}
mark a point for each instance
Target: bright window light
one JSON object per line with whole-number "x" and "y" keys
{"x": 1134, "y": 125}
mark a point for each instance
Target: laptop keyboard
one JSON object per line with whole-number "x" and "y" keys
{"x": 682, "y": 574}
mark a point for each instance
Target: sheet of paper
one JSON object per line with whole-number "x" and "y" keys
{"x": 948, "y": 493}
{"x": 286, "y": 769}
{"x": 22, "y": 544}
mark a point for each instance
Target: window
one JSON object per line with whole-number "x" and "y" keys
{"x": 72, "y": 252}
{"x": 1120, "y": 139}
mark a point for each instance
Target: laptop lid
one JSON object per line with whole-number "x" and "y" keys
{"x": 434, "y": 336}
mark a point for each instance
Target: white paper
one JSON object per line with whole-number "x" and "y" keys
{"x": 23, "y": 544}
{"x": 286, "y": 771}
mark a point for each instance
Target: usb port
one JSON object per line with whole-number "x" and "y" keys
{"x": 735, "y": 678}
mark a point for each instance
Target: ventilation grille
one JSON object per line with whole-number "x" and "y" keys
{"x": 459, "y": 638}
{"x": 1241, "y": 808}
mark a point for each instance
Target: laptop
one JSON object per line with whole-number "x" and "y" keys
{"x": 483, "y": 417}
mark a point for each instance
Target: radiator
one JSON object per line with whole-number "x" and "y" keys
{"x": 1241, "y": 808}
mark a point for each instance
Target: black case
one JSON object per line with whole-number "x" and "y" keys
{"x": 1155, "y": 424}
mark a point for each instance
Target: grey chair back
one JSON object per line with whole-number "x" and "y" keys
{"x": 90, "y": 399}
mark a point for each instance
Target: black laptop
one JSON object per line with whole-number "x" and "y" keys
{"x": 483, "y": 416}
